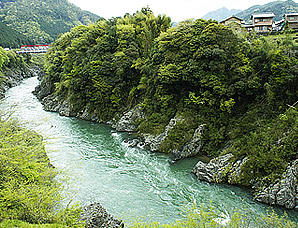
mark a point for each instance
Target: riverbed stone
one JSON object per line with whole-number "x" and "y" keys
{"x": 95, "y": 216}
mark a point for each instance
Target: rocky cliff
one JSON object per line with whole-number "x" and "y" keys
{"x": 13, "y": 77}
{"x": 224, "y": 169}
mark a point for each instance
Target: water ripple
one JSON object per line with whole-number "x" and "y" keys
{"x": 102, "y": 168}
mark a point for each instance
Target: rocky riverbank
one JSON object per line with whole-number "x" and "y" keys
{"x": 223, "y": 169}
{"x": 95, "y": 216}
{"x": 13, "y": 77}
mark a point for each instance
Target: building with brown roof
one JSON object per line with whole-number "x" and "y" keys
{"x": 233, "y": 22}
{"x": 262, "y": 22}
{"x": 292, "y": 18}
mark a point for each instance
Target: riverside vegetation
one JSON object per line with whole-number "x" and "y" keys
{"x": 201, "y": 71}
{"x": 243, "y": 90}
{"x": 29, "y": 192}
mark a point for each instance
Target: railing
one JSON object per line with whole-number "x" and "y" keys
{"x": 34, "y": 49}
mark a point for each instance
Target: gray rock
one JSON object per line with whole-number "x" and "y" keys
{"x": 13, "y": 77}
{"x": 154, "y": 142}
{"x": 213, "y": 171}
{"x": 223, "y": 169}
{"x": 95, "y": 215}
{"x": 53, "y": 103}
{"x": 44, "y": 89}
{"x": 193, "y": 147}
{"x": 127, "y": 121}
{"x": 283, "y": 192}
{"x": 220, "y": 170}
{"x": 235, "y": 171}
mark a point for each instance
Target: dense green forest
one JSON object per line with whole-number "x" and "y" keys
{"x": 241, "y": 89}
{"x": 42, "y": 21}
{"x": 10, "y": 38}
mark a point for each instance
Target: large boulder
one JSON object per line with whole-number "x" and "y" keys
{"x": 154, "y": 142}
{"x": 213, "y": 171}
{"x": 95, "y": 216}
{"x": 191, "y": 148}
{"x": 283, "y": 192}
{"x": 223, "y": 169}
{"x": 127, "y": 121}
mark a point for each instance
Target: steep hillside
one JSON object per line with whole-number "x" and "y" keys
{"x": 10, "y": 38}
{"x": 43, "y": 21}
{"x": 220, "y": 14}
{"x": 279, "y": 8}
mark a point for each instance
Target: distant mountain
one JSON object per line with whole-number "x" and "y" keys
{"x": 221, "y": 14}
{"x": 279, "y": 8}
{"x": 10, "y": 38}
{"x": 43, "y": 20}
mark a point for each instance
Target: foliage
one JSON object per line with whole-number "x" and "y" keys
{"x": 208, "y": 216}
{"x": 28, "y": 189}
{"x": 41, "y": 21}
{"x": 269, "y": 149}
{"x": 10, "y": 38}
{"x": 181, "y": 133}
{"x": 98, "y": 65}
{"x": 200, "y": 69}
{"x": 3, "y": 57}
{"x": 21, "y": 224}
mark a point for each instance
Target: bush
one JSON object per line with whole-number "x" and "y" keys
{"x": 28, "y": 189}
{"x": 208, "y": 216}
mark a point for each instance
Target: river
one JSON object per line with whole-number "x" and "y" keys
{"x": 128, "y": 182}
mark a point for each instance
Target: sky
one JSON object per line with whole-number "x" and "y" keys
{"x": 178, "y": 10}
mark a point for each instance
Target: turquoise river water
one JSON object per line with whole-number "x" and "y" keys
{"x": 128, "y": 182}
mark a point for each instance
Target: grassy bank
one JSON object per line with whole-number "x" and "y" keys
{"x": 208, "y": 216}
{"x": 29, "y": 193}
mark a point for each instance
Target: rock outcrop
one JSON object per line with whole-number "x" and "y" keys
{"x": 223, "y": 169}
{"x": 13, "y": 77}
{"x": 43, "y": 90}
{"x": 95, "y": 216}
{"x": 191, "y": 148}
{"x": 127, "y": 122}
{"x": 153, "y": 141}
{"x": 214, "y": 171}
{"x": 284, "y": 192}
{"x": 52, "y": 103}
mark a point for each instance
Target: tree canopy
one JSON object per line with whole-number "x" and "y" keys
{"x": 199, "y": 69}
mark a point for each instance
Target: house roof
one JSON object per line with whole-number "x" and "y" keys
{"x": 290, "y": 14}
{"x": 262, "y": 15}
{"x": 233, "y": 16}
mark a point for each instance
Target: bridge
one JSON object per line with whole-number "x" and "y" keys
{"x": 34, "y": 49}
